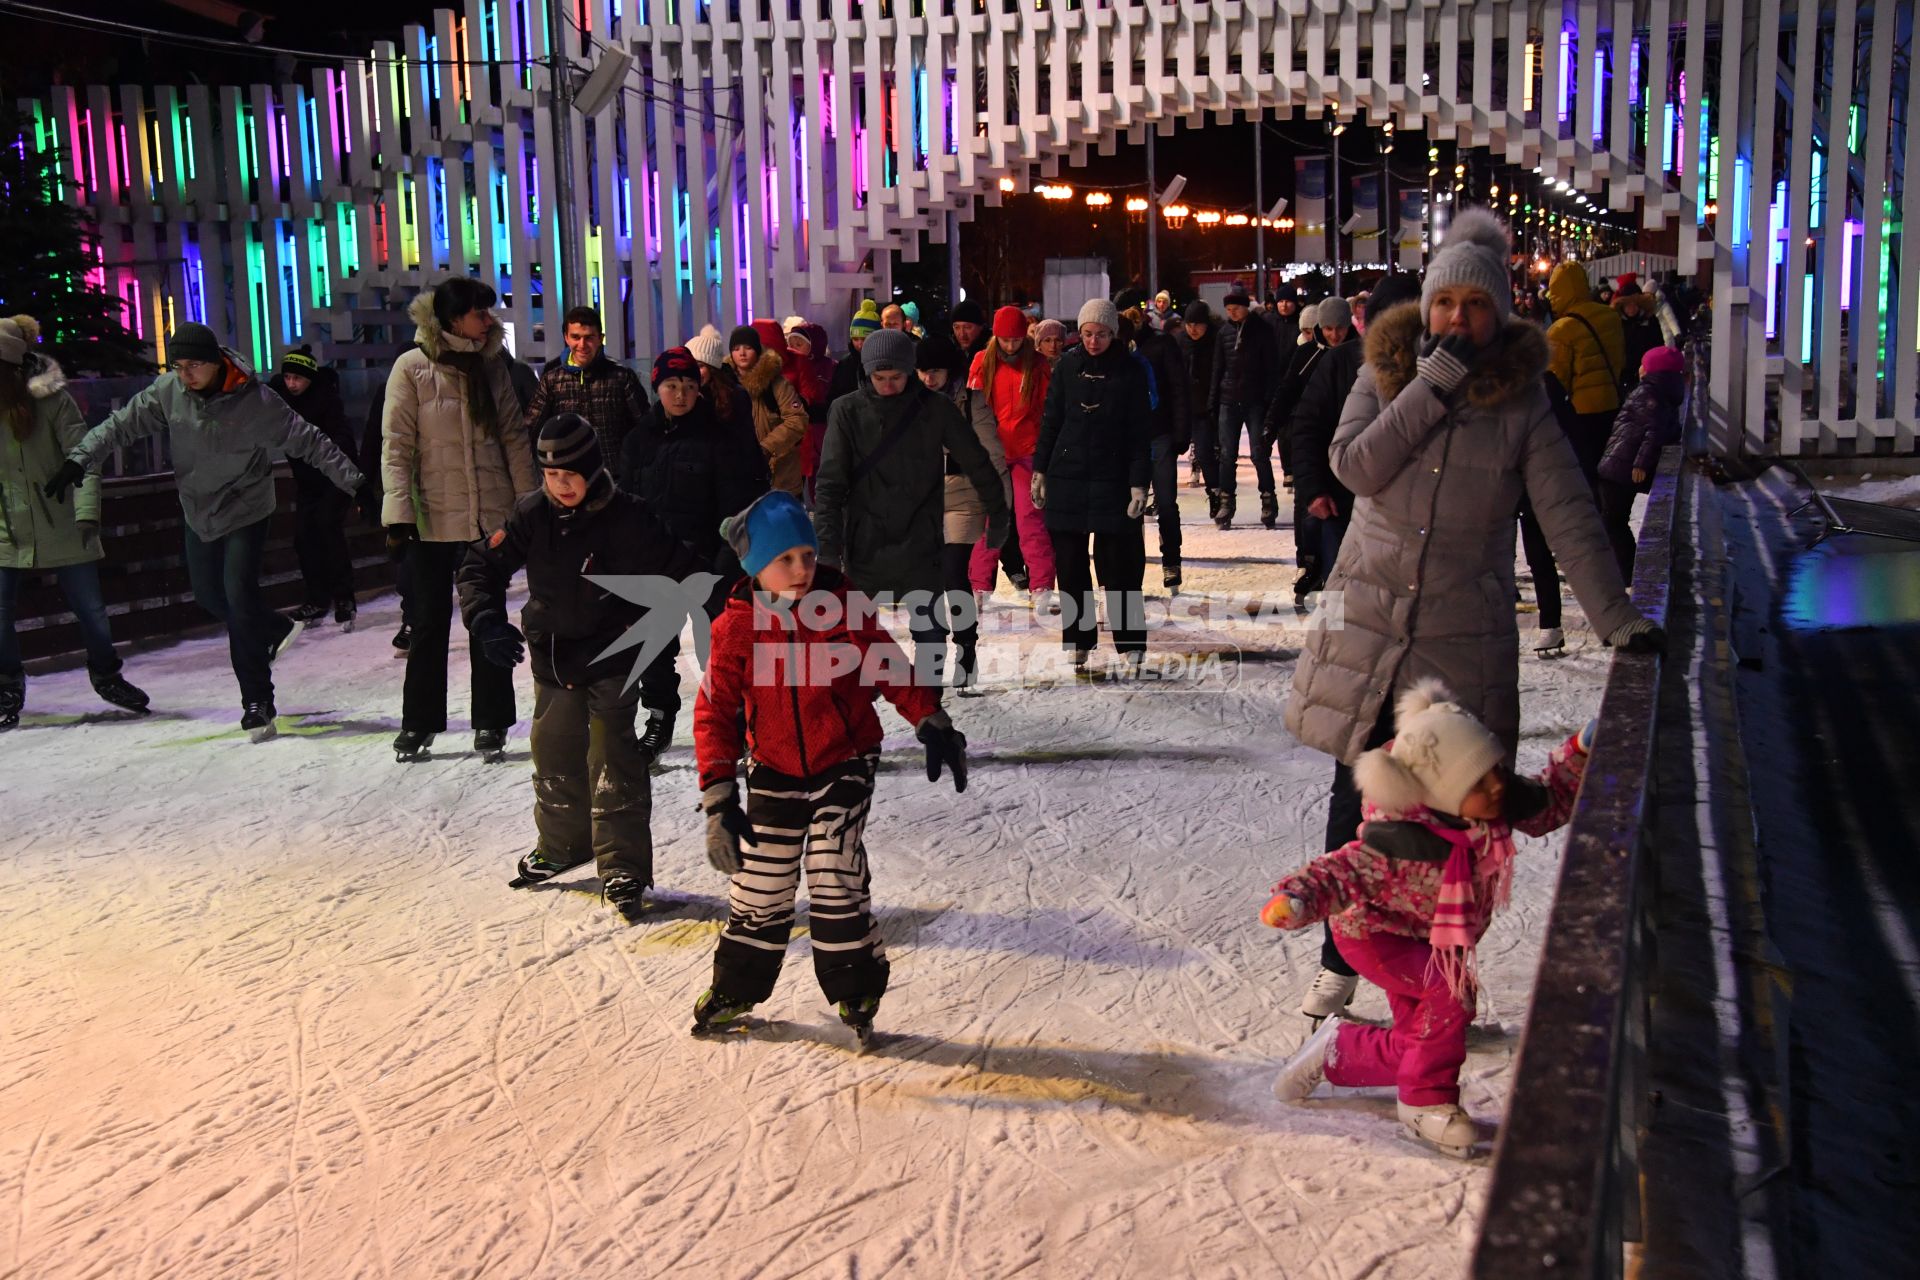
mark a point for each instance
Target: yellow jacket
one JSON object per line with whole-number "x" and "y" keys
{"x": 1589, "y": 371}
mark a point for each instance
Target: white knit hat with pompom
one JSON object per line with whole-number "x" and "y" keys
{"x": 17, "y": 333}
{"x": 1475, "y": 255}
{"x": 1439, "y": 753}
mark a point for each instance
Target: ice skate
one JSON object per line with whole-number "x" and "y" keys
{"x": 411, "y": 745}
{"x": 13, "y": 696}
{"x": 116, "y": 690}
{"x": 715, "y": 1014}
{"x": 285, "y": 642}
{"x": 344, "y": 613}
{"x": 625, "y": 892}
{"x": 1551, "y": 643}
{"x": 1444, "y": 1127}
{"x": 966, "y": 681}
{"x": 657, "y": 736}
{"x": 1081, "y": 670}
{"x": 1019, "y": 580}
{"x": 1308, "y": 1065}
{"x": 1330, "y": 993}
{"x": 536, "y": 867}
{"x": 1269, "y": 509}
{"x": 490, "y": 745}
{"x": 308, "y": 613}
{"x": 258, "y": 721}
{"x": 1170, "y": 575}
{"x": 402, "y": 640}
{"x": 858, "y": 1014}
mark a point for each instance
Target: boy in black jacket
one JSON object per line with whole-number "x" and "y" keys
{"x": 592, "y": 796}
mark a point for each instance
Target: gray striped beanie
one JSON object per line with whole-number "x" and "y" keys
{"x": 567, "y": 443}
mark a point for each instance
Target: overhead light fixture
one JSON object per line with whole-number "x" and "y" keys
{"x": 1172, "y": 190}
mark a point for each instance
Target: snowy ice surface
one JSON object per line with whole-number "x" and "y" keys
{"x": 272, "y": 1010}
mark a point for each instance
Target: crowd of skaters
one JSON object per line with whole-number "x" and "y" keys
{"x": 1414, "y": 425}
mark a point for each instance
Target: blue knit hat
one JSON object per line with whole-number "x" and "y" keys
{"x": 775, "y": 524}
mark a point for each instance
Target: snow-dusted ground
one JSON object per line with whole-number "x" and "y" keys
{"x": 272, "y": 1010}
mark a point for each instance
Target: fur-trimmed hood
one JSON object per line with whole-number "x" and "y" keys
{"x": 1512, "y": 366}
{"x": 433, "y": 339}
{"x": 760, "y": 375}
{"x": 45, "y": 377}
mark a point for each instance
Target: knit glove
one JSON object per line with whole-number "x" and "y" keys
{"x": 499, "y": 641}
{"x": 1638, "y": 636}
{"x": 1446, "y": 362}
{"x": 945, "y": 745}
{"x": 1282, "y": 911}
{"x": 1136, "y": 503}
{"x": 69, "y": 474}
{"x": 399, "y": 535}
{"x": 727, "y": 825}
{"x": 1037, "y": 490}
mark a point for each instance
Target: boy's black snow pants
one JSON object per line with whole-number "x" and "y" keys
{"x": 813, "y": 825}
{"x": 590, "y": 785}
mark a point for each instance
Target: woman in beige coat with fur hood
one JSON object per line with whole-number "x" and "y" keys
{"x": 454, "y": 457}
{"x": 1446, "y": 429}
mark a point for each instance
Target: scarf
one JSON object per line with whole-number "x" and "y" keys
{"x": 1471, "y": 890}
{"x": 472, "y": 366}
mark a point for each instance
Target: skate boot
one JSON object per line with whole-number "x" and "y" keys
{"x": 1082, "y": 672}
{"x": 1330, "y": 993}
{"x": 115, "y": 689}
{"x": 285, "y": 642}
{"x": 490, "y": 745}
{"x": 1269, "y": 509}
{"x": 308, "y": 613}
{"x": 1307, "y": 583}
{"x": 411, "y": 745}
{"x": 1170, "y": 574}
{"x": 715, "y": 1014}
{"x": 657, "y": 736}
{"x": 1445, "y": 1127}
{"x": 345, "y": 610}
{"x": 537, "y": 866}
{"x": 13, "y": 696}
{"x": 402, "y": 640}
{"x": 1019, "y": 580}
{"x": 258, "y": 721}
{"x": 1551, "y": 642}
{"x": 1223, "y": 517}
{"x": 628, "y": 896}
{"x": 1308, "y": 1065}
{"x": 858, "y": 1014}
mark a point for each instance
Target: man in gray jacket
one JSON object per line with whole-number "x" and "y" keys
{"x": 223, "y": 428}
{"x": 879, "y": 496}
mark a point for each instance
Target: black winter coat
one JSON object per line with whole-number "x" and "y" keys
{"x": 323, "y": 407}
{"x": 1251, "y": 362}
{"x": 568, "y": 620}
{"x": 848, "y": 377}
{"x": 1203, "y": 386}
{"x": 693, "y": 472}
{"x": 1096, "y": 440}
{"x": 1316, "y": 416}
{"x": 1172, "y": 414}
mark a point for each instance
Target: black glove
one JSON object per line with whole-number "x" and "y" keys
{"x": 70, "y": 474}
{"x": 945, "y": 745}
{"x": 500, "y": 642}
{"x": 1638, "y": 636}
{"x": 1445, "y": 362}
{"x": 727, "y": 825}
{"x": 399, "y": 535}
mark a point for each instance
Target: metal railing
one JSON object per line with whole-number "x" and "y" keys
{"x": 1565, "y": 1189}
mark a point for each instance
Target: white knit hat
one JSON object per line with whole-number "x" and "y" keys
{"x": 791, "y": 323}
{"x": 1101, "y": 312}
{"x": 1474, "y": 255}
{"x": 1309, "y": 317}
{"x": 708, "y": 347}
{"x": 1439, "y": 753}
{"x": 17, "y": 333}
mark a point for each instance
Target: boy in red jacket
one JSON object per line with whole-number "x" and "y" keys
{"x": 1411, "y": 898}
{"x": 797, "y": 661}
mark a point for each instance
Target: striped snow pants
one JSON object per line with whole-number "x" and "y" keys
{"x": 813, "y": 825}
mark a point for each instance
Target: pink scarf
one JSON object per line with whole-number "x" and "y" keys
{"x": 1471, "y": 890}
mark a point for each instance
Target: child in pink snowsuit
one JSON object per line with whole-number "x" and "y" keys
{"x": 1411, "y": 898}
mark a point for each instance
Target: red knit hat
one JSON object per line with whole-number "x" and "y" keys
{"x": 1010, "y": 323}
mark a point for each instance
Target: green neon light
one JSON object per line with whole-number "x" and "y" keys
{"x": 322, "y": 283}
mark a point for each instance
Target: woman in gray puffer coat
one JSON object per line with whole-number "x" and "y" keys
{"x": 454, "y": 458}
{"x": 1447, "y": 427}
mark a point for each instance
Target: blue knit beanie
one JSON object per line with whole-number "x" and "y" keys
{"x": 775, "y": 524}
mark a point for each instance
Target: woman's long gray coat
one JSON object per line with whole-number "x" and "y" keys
{"x": 1425, "y": 575}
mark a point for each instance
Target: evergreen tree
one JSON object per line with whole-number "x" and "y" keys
{"x": 51, "y": 244}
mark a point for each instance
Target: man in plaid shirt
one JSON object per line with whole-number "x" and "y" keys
{"x": 587, "y": 383}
